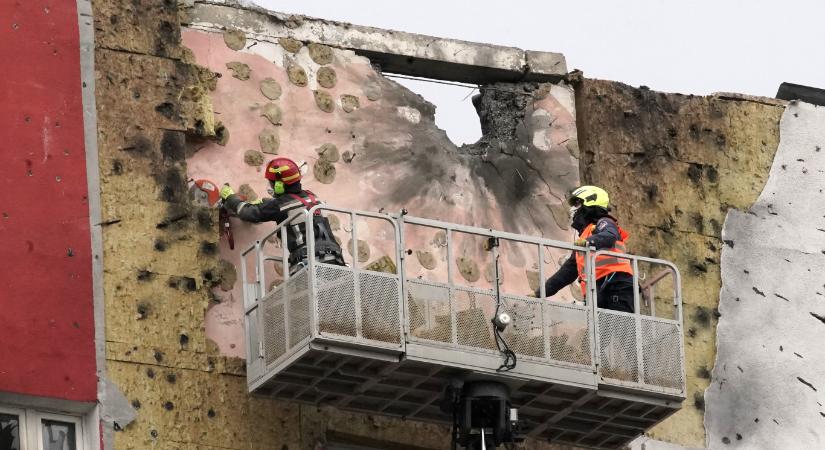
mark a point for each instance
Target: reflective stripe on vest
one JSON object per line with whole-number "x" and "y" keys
{"x": 605, "y": 264}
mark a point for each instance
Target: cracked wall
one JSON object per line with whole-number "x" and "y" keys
{"x": 166, "y": 113}
{"x": 674, "y": 165}
{"x": 371, "y": 144}
{"x": 767, "y": 382}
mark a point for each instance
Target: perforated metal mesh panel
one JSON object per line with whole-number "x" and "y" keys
{"x": 569, "y": 333}
{"x": 274, "y": 325}
{"x": 525, "y": 335}
{"x": 298, "y": 301}
{"x": 367, "y": 365}
{"x": 380, "y": 309}
{"x": 336, "y": 300}
{"x": 429, "y": 311}
{"x": 661, "y": 354}
{"x": 473, "y": 311}
{"x": 252, "y": 342}
{"x": 617, "y": 346}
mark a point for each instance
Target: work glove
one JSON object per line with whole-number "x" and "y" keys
{"x": 226, "y": 191}
{"x": 578, "y": 242}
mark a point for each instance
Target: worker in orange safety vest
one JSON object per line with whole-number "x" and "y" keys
{"x": 597, "y": 228}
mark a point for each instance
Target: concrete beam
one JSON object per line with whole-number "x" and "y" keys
{"x": 395, "y": 51}
{"x": 808, "y": 94}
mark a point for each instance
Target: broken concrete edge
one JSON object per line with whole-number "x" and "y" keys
{"x": 87, "y": 77}
{"x": 395, "y": 51}
{"x": 750, "y": 98}
{"x": 577, "y": 76}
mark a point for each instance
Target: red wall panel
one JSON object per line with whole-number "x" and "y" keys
{"x": 46, "y": 306}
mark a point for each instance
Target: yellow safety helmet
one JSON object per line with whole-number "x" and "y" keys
{"x": 589, "y": 196}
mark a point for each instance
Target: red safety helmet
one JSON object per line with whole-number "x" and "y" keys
{"x": 282, "y": 172}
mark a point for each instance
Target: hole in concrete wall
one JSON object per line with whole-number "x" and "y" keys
{"x": 454, "y": 111}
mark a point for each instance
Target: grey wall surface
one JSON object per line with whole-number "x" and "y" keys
{"x": 768, "y": 386}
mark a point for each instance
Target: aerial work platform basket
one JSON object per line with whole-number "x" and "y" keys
{"x": 386, "y": 337}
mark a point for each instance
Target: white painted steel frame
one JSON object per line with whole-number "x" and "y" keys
{"x": 443, "y": 353}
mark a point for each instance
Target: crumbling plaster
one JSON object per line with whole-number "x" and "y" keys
{"x": 385, "y": 154}
{"x": 768, "y": 379}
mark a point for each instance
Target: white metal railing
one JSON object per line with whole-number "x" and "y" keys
{"x": 386, "y": 311}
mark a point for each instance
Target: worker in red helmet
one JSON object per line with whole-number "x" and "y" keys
{"x": 288, "y": 196}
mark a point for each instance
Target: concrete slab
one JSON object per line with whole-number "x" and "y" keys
{"x": 808, "y": 94}
{"x": 394, "y": 51}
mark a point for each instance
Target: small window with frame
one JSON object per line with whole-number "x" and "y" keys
{"x": 30, "y": 429}
{"x": 59, "y": 432}
{"x": 12, "y": 429}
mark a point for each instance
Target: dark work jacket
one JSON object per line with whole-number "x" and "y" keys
{"x": 280, "y": 208}
{"x": 604, "y": 237}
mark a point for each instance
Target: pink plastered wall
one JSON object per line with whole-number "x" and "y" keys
{"x": 401, "y": 160}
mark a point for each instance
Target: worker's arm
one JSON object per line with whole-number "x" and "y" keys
{"x": 265, "y": 211}
{"x": 567, "y": 273}
{"x": 604, "y": 235}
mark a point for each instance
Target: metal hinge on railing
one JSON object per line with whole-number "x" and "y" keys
{"x": 260, "y": 350}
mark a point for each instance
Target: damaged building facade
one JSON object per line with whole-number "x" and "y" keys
{"x": 125, "y": 308}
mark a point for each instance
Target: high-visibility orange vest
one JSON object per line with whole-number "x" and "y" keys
{"x": 605, "y": 264}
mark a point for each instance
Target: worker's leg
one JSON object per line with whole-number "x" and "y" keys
{"x": 616, "y": 292}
